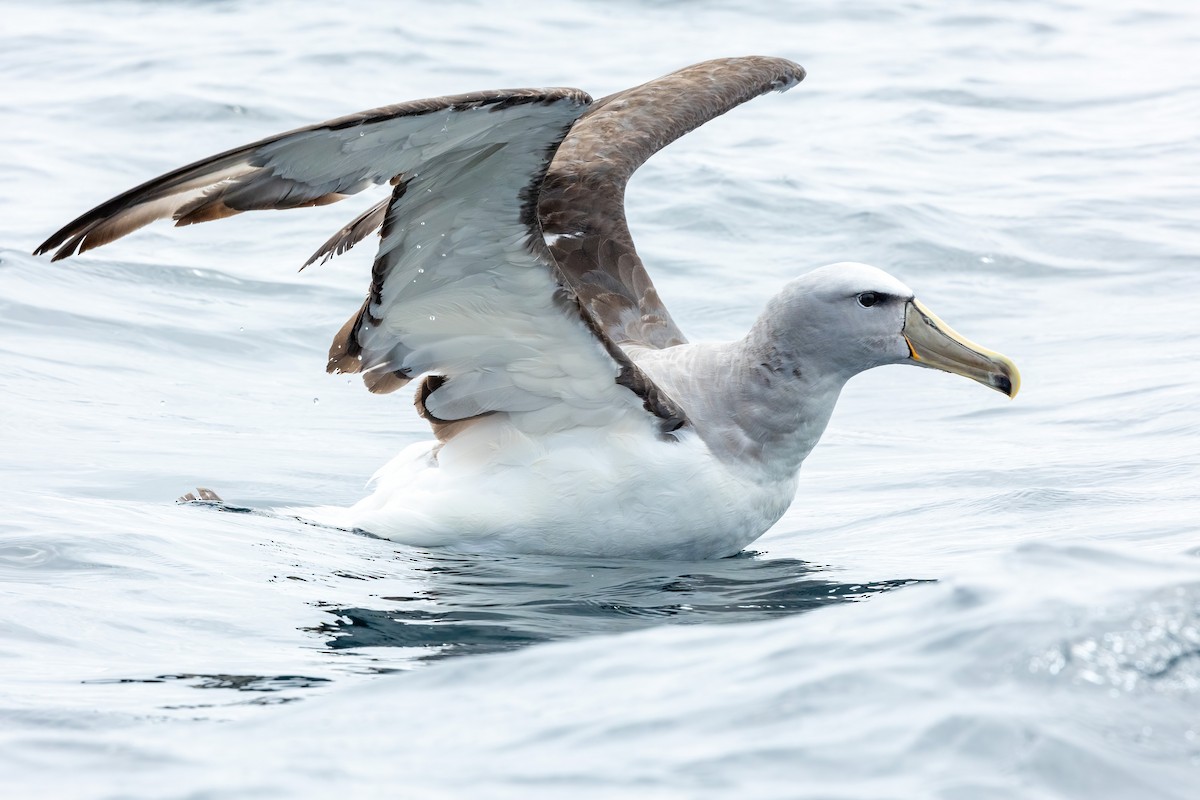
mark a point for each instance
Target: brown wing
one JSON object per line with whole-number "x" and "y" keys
{"x": 582, "y": 205}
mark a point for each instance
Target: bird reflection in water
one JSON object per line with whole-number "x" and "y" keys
{"x": 474, "y": 605}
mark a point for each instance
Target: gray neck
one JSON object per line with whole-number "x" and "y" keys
{"x": 749, "y": 402}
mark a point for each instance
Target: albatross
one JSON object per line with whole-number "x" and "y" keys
{"x": 570, "y": 415}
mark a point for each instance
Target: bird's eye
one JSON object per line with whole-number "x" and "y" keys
{"x": 868, "y": 299}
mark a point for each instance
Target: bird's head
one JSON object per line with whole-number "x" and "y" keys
{"x": 851, "y": 317}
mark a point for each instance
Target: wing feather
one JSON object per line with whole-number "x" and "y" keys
{"x": 358, "y": 229}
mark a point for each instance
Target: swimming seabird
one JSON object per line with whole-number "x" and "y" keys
{"x": 570, "y": 413}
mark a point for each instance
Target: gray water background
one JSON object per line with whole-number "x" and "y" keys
{"x": 970, "y": 598}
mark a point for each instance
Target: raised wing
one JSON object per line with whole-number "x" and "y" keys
{"x": 463, "y": 290}
{"x": 309, "y": 166}
{"x": 582, "y": 207}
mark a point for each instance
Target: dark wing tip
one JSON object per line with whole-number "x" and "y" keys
{"x": 85, "y": 233}
{"x": 791, "y": 73}
{"x": 56, "y": 239}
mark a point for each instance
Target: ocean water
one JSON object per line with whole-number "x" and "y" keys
{"x": 970, "y": 598}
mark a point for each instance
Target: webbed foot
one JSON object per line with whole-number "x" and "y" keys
{"x": 201, "y": 495}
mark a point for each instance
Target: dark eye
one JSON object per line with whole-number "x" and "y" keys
{"x": 868, "y": 299}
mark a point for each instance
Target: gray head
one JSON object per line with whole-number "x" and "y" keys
{"x": 845, "y": 318}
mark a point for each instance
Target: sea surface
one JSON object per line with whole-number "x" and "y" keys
{"x": 971, "y": 598}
